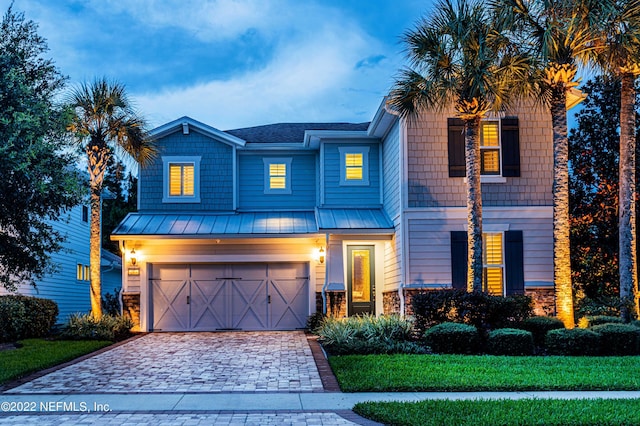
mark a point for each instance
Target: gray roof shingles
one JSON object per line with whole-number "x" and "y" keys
{"x": 289, "y": 132}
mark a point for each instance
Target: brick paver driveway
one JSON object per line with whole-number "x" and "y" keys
{"x": 191, "y": 362}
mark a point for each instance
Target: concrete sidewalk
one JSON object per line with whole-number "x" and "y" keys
{"x": 280, "y": 401}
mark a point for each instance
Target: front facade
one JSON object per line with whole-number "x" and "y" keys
{"x": 257, "y": 228}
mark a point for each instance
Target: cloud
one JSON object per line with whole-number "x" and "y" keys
{"x": 318, "y": 75}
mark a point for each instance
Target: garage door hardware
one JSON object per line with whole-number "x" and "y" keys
{"x": 228, "y": 278}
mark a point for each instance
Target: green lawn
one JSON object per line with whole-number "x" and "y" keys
{"x": 596, "y": 412}
{"x": 37, "y": 354}
{"x": 375, "y": 373}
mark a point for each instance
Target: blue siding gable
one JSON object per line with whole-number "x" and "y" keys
{"x": 251, "y": 182}
{"x": 215, "y": 177}
{"x": 337, "y": 194}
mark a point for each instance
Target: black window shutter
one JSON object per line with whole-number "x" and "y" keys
{"x": 455, "y": 131}
{"x": 459, "y": 259}
{"x": 510, "y": 147}
{"x": 514, "y": 262}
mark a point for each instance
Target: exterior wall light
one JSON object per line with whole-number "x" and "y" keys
{"x": 321, "y": 255}
{"x": 133, "y": 258}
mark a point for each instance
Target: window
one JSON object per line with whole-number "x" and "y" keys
{"x": 489, "y": 148}
{"x": 499, "y": 149}
{"x": 503, "y": 260}
{"x": 181, "y": 179}
{"x": 83, "y": 272}
{"x": 277, "y": 175}
{"x": 85, "y": 214}
{"x": 354, "y": 165}
{"x": 493, "y": 263}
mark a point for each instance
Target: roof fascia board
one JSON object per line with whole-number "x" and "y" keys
{"x": 312, "y": 138}
{"x": 212, "y": 132}
{"x": 382, "y": 122}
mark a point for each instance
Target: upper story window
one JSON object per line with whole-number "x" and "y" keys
{"x": 277, "y": 175}
{"x": 354, "y": 165}
{"x": 499, "y": 149}
{"x": 490, "y": 148}
{"x": 493, "y": 263}
{"x": 181, "y": 179}
{"x": 85, "y": 214}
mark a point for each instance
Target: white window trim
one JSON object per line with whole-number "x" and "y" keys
{"x": 364, "y": 150}
{"x": 287, "y": 178}
{"x": 499, "y": 148}
{"x": 166, "y": 162}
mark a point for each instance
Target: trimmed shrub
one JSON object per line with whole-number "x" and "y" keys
{"x": 510, "y": 341}
{"x": 368, "y": 334}
{"x": 539, "y": 326}
{"x": 12, "y": 318}
{"x": 86, "y": 327}
{"x": 484, "y": 311}
{"x": 453, "y": 338}
{"x": 575, "y": 341}
{"x": 617, "y": 339}
{"x": 25, "y": 316}
{"x": 315, "y": 321}
{"x": 591, "y": 320}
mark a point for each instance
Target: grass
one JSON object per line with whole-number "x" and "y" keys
{"x": 38, "y": 354}
{"x": 432, "y": 373}
{"x": 600, "y": 412}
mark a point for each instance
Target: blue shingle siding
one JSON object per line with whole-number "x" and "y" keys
{"x": 350, "y": 195}
{"x": 251, "y": 183}
{"x": 216, "y": 173}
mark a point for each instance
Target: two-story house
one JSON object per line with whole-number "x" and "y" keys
{"x": 257, "y": 228}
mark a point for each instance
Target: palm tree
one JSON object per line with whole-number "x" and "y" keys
{"x": 105, "y": 123}
{"x": 458, "y": 56}
{"x": 619, "y": 56}
{"x": 560, "y": 36}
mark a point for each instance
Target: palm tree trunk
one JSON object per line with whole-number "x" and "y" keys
{"x": 627, "y": 207}
{"x": 94, "y": 252}
{"x": 474, "y": 205}
{"x": 98, "y": 158}
{"x": 561, "y": 244}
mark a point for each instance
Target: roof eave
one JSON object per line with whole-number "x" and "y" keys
{"x": 212, "y": 132}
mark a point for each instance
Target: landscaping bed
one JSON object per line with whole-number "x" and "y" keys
{"x": 37, "y": 354}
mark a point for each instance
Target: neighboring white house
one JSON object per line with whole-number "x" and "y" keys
{"x": 68, "y": 286}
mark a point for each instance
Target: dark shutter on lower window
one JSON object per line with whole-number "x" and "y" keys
{"x": 514, "y": 262}
{"x": 455, "y": 131}
{"x": 510, "y": 147}
{"x": 459, "y": 259}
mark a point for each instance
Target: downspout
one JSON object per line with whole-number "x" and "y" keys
{"x": 120, "y": 302}
{"x": 326, "y": 276}
{"x": 403, "y": 170}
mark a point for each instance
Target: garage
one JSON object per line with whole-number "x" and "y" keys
{"x": 242, "y": 296}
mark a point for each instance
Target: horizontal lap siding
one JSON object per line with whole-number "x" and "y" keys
{"x": 216, "y": 173}
{"x": 251, "y": 182}
{"x": 391, "y": 196}
{"x": 62, "y": 286}
{"x": 350, "y": 195}
{"x": 429, "y": 259}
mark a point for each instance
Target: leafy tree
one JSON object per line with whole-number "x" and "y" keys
{"x": 105, "y": 123}
{"x": 459, "y": 56}
{"x": 594, "y": 154}
{"x": 38, "y": 185}
{"x": 122, "y": 199}
{"x": 593, "y": 146}
{"x": 618, "y": 50}
{"x": 560, "y": 34}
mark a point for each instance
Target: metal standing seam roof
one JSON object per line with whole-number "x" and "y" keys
{"x": 353, "y": 219}
{"x": 251, "y": 223}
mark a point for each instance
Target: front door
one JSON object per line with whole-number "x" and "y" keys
{"x": 360, "y": 280}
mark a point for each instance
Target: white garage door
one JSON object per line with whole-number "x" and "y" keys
{"x": 209, "y": 297}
